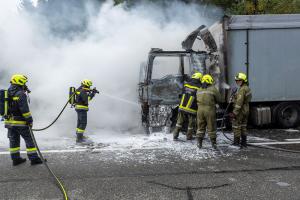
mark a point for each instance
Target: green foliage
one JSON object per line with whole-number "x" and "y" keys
{"x": 242, "y": 7}
{"x": 248, "y": 7}
{"x": 118, "y": 1}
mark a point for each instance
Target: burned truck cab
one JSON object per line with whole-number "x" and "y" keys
{"x": 162, "y": 78}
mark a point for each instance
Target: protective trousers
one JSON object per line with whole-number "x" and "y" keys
{"x": 81, "y": 122}
{"x": 206, "y": 119}
{"x": 14, "y": 134}
{"x": 181, "y": 118}
{"x": 239, "y": 125}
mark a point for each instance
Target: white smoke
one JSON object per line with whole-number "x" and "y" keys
{"x": 116, "y": 41}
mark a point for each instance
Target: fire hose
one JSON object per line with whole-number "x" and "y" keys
{"x": 57, "y": 181}
{"x": 60, "y": 184}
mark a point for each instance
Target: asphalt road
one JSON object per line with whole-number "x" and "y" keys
{"x": 158, "y": 173}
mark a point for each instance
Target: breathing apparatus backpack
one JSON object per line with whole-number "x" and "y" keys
{"x": 4, "y": 103}
{"x": 72, "y": 96}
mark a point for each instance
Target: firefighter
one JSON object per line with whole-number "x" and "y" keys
{"x": 207, "y": 98}
{"x": 19, "y": 120}
{"x": 188, "y": 107}
{"x": 83, "y": 95}
{"x": 241, "y": 110}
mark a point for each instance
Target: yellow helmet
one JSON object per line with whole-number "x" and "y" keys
{"x": 197, "y": 75}
{"x": 241, "y": 77}
{"x": 207, "y": 79}
{"x": 87, "y": 83}
{"x": 18, "y": 79}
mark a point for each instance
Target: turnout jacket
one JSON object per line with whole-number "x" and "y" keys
{"x": 241, "y": 100}
{"x": 19, "y": 113}
{"x": 209, "y": 96}
{"x": 188, "y": 101}
{"x": 83, "y": 96}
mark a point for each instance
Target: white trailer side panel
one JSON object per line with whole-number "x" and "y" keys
{"x": 273, "y": 55}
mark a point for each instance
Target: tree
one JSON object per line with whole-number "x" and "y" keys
{"x": 240, "y": 7}
{"x": 250, "y": 7}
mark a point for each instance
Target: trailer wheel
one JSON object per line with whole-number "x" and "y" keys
{"x": 287, "y": 115}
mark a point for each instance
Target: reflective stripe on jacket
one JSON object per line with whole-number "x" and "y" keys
{"x": 11, "y": 122}
{"x": 188, "y": 101}
{"x": 19, "y": 112}
{"x": 83, "y": 96}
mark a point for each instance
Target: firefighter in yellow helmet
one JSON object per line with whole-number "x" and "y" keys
{"x": 83, "y": 95}
{"x": 19, "y": 120}
{"x": 207, "y": 98}
{"x": 241, "y": 110}
{"x": 188, "y": 107}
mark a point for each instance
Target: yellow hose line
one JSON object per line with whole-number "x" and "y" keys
{"x": 58, "y": 182}
{"x": 62, "y": 188}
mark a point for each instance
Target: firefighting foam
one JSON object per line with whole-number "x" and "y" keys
{"x": 109, "y": 52}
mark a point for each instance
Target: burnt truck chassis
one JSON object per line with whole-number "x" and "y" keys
{"x": 159, "y": 98}
{"x": 277, "y": 111}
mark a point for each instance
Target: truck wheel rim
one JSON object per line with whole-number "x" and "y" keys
{"x": 289, "y": 114}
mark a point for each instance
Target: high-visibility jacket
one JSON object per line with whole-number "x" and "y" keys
{"x": 188, "y": 101}
{"x": 241, "y": 100}
{"x": 83, "y": 96}
{"x": 19, "y": 113}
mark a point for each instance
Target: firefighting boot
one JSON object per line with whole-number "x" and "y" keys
{"x": 244, "y": 141}
{"x": 79, "y": 138}
{"x": 214, "y": 143}
{"x": 18, "y": 161}
{"x": 36, "y": 161}
{"x": 189, "y": 135}
{"x": 236, "y": 141}
{"x": 83, "y": 140}
{"x": 199, "y": 142}
{"x": 176, "y": 133}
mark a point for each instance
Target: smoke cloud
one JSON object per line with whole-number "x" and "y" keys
{"x": 106, "y": 44}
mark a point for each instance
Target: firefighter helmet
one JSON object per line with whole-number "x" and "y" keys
{"x": 241, "y": 77}
{"x": 87, "y": 83}
{"x": 18, "y": 79}
{"x": 207, "y": 79}
{"x": 197, "y": 76}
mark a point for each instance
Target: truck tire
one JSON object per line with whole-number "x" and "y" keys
{"x": 287, "y": 115}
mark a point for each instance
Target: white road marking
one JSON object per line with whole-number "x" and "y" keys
{"x": 90, "y": 149}
{"x": 270, "y": 143}
{"x": 97, "y": 149}
{"x": 296, "y": 139}
{"x": 53, "y": 151}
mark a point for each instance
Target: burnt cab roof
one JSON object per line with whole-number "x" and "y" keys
{"x": 160, "y": 52}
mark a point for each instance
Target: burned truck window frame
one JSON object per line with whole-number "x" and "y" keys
{"x": 156, "y": 111}
{"x": 165, "y": 66}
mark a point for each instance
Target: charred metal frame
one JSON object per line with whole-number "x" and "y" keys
{"x": 147, "y": 106}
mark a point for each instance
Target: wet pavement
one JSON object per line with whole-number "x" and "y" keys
{"x": 160, "y": 168}
{"x": 282, "y": 136}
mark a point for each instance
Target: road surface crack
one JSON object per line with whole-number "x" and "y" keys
{"x": 189, "y": 189}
